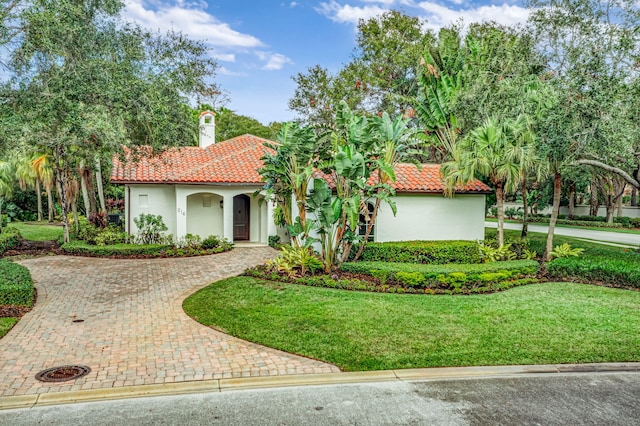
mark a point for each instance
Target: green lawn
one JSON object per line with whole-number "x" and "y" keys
{"x": 6, "y": 324}
{"x": 540, "y": 323}
{"x": 591, "y": 228}
{"x": 38, "y": 232}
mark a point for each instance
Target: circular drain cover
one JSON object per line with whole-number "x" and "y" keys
{"x": 62, "y": 374}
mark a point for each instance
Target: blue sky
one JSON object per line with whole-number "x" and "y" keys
{"x": 260, "y": 45}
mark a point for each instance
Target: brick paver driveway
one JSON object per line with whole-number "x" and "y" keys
{"x": 134, "y": 330}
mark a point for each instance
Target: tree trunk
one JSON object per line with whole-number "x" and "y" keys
{"x": 634, "y": 191}
{"x": 557, "y": 192}
{"x": 500, "y": 202}
{"x": 103, "y": 206}
{"x": 49, "y": 202}
{"x": 60, "y": 181}
{"x": 370, "y": 225}
{"x": 85, "y": 192}
{"x": 593, "y": 201}
{"x": 525, "y": 208}
{"x": 572, "y": 200}
{"x": 39, "y": 195}
{"x": 76, "y": 219}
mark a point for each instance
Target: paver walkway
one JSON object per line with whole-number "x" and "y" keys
{"x": 134, "y": 330}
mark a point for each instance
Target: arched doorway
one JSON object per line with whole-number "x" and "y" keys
{"x": 241, "y": 217}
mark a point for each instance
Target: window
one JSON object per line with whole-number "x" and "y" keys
{"x": 143, "y": 200}
{"x": 363, "y": 220}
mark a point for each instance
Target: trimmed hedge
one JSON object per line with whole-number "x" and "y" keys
{"x": 9, "y": 239}
{"x": 623, "y": 271}
{"x": 426, "y": 252}
{"x": 16, "y": 285}
{"x": 81, "y": 248}
{"x": 592, "y": 224}
{"x": 451, "y": 276}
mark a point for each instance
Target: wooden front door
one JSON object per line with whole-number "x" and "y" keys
{"x": 241, "y": 218}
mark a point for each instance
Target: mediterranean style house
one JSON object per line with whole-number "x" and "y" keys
{"x": 215, "y": 189}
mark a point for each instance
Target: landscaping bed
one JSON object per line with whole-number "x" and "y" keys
{"x": 137, "y": 251}
{"x": 17, "y": 292}
{"x": 427, "y": 252}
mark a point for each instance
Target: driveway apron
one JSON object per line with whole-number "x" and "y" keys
{"x": 124, "y": 320}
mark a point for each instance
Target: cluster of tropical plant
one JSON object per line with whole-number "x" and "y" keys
{"x": 322, "y": 182}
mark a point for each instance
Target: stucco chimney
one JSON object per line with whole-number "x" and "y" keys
{"x": 207, "y": 128}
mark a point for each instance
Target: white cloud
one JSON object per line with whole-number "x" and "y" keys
{"x": 347, "y": 13}
{"x": 189, "y": 18}
{"x": 293, "y": 4}
{"x": 224, "y": 57}
{"x": 274, "y": 61}
{"x": 222, "y": 70}
{"x": 436, "y": 14}
{"x": 439, "y": 16}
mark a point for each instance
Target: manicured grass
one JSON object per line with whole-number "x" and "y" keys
{"x": 6, "y": 324}
{"x": 540, "y": 323}
{"x": 590, "y": 228}
{"x": 38, "y": 232}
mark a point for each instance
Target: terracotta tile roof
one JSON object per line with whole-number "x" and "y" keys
{"x": 237, "y": 161}
{"x": 425, "y": 181}
{"x": 428, "y": 180}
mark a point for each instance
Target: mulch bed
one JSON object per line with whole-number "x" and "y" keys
{"x": 34, "y": 248}
{"x": 10, "y": 311}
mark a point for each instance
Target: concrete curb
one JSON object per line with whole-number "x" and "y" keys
{"x": 224, "y": 385}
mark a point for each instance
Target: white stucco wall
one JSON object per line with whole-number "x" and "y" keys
{"x": 160, "y": 200}
{"x": 204, "y": 218}
{"x": 183, "y": 211}
{"x": 432, "y": 217}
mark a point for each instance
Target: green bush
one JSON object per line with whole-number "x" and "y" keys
{"x": 593, "y": 224}
{"x": 81, "y": 248}
{"x": 9, "y": 239}
{"x": 150, "y": 228}
{"x": 623, "y": 271}
{"x": 451, "y": 276}
{"x": 16, "y": 285}
{"x": 410, "y": 279}
{"x": 426, "y": 252}
{"x": 212, "y": 241}
{"x": 274, "y": 240}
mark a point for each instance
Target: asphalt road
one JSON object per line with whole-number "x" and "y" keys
{"x": 558, "y": 399}
{"x": 612, "y": 237}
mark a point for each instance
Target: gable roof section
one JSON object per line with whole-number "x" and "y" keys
{"x": 237, "y": 161}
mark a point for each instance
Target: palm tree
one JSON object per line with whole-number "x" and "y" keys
{"x": 495, "y": 151}
{"x": 41, "y": 164}
{"x": 6, "y": 184}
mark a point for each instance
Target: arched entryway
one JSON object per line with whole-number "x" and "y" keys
{"x": 204, "y": 214}
{"x": 241, "y": 218}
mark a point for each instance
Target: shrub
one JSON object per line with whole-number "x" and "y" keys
{"x": 16, "y": 285}
{"x": 295, "y": 262}
{"x": 452, "y": 276}
{"x": 150, "y": 228}
{"x": 426, "y": 252}
{"x": 274, "y": 240}
{"x": 9, "y": 239}
{"x": 189, "y": 241}
{"x": 212, "y": 241}
{"x": 565, "y": 250}
{"x": 593, "y": 224}
{"x": 110, "y": 235}
{"x": 410, "y": 279}
{"x": 490, "y": 254}
{"x": 99, "y": 219}
{"x": 621, "y": 271}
